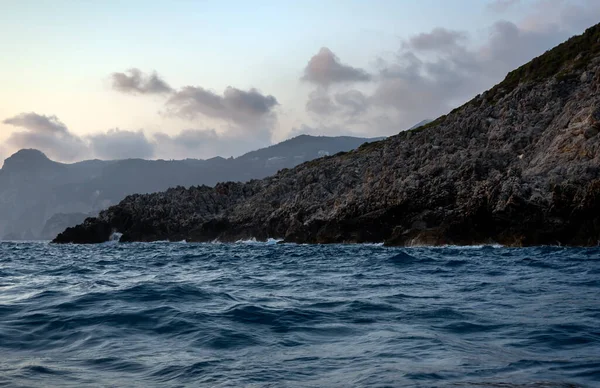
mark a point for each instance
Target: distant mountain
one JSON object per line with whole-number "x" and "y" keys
{"x": 40, "y": 197}
{"x": 420, "y": 124}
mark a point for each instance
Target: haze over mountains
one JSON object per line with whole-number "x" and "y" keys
{"x": 39, "y": 197}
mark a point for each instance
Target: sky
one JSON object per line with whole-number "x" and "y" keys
{"x": 197, "y": 79}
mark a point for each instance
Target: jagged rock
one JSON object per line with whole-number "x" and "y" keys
{"x": 517, "y": 165}
{"x": 92, "y": 231}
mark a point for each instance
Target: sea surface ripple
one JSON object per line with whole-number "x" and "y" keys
{"x": 279, "y": 315}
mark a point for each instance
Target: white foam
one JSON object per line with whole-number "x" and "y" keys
{"x": 481, "y": 246}
{"x": 379, "y": 244}
{"x": 249, "y": 241}
{"x": 115, "y": 236}
{"x": 254, "y": 241}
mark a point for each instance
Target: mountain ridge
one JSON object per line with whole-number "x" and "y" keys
{"x": 517, "y": 165}
{"x": 34, "y": 188}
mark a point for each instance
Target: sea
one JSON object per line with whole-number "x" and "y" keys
{"x": 254, "y": 314}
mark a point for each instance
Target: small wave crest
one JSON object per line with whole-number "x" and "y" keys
{"x": 254, "y": 241}
{"x": 115, "y": 237}
{"x": 404, "y": 258}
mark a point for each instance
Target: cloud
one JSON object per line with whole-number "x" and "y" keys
{"x": 436, "y": 71}
{"x": 206, "y": 143}
{"x": 242, "y": 113}
{"x": 437, "y": 39}
{"x": 320, "y": 103}
{"x": 249, "y": 109}
{"x": 353, "y": 101}
{"x": 235, "y": 105}
{"x": 414, "y": 87}
{"x": 134, "y": 81}
{"x": 47, "y": 134}
{"x": 502, "y": 5}
{"x": 250, "y": 118}
{"x": 63, "y": 148}
{"x": 189, "y": 138}
{"x": 325, "y": 69}
{"x": 37, "y": 123}
{"x": 189, "y": 143}
{"x": 345, "y": 103}
{"x": 121, "y": 144}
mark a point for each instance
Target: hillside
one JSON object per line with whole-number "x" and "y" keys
{"x": 39, "y": 197}
{"x": 517, "y": 165}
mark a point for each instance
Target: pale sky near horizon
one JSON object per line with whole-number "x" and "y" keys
{"x": 320, "y": 67}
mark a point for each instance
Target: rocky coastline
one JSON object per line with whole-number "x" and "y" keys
{"x": 518, "y": 165}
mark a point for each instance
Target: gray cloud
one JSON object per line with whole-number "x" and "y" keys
{"x": 196, "y": 143}
{"x": 415, "y": 88}
{"x": 434, "y": 72}
{"x": 353, "y": 101}
{"x": 190, "y": 139}
{"x": 37, "y": 123}
{"x": 437, "y": 39}
{"x": 346, "y": 103}
{"x": 437, "y": 71}
{"x": 121, "y": 144}
{"x": 247, "y": 109}
{"x": 325, "y": 69}
{"x": 320, "y": 103}
{"x": 47, "y": 134}
{"x": 245, "y": 113}
{"x": 189, "y": 143}
{"x": 134, "y": 81}
{"x": 239, "y": 106}
{"x": 62, "y": 148}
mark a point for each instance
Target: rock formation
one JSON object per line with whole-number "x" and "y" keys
{"x": 517, "y": 165}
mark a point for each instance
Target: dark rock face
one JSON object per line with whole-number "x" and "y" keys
{"x": 92, "y": 231}
{"x": 518, "y": 165}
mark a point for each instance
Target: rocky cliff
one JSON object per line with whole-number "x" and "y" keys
{"x": 517, "y": 165}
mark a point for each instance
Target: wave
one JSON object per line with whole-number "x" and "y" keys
{"x": 254, "y": 241}
{"x": 403, "y": 258}
{"x": 115, "y": 236}
{"x": 172, "y": 314}
{"x": 465, "y": 247}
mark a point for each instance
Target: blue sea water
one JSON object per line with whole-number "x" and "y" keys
{"x": 279, "y": 315}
